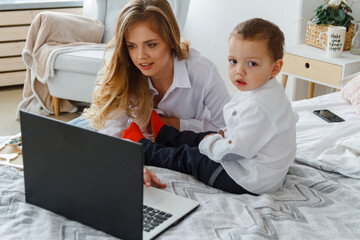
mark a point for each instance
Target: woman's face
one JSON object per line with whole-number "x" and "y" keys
{"x": 149, "y": 51}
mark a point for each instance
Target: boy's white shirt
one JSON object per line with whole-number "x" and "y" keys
{"x": 196, "y": 96}
{"x": 259, "y": 142}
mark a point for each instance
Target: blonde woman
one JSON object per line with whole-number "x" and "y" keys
{"x": 153, "y": 68}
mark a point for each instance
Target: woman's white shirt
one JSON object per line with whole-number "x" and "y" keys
{"x": 259, "y": 142}
{"x": 196, "y": 96}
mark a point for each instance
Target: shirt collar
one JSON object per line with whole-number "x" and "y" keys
{"x": 151, "y": 87}
{"x": 180, "y": 78}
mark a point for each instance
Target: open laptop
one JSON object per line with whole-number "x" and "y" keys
{"x": 94, "y": 179}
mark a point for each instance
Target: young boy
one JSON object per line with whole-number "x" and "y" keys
{"x": 253, "y": 152}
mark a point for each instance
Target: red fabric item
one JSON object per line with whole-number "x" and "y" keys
{"x": 133, "y": 133}
{"x": 156, "y": 123}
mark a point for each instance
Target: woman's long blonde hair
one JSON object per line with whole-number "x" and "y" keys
{"x": 122, "y": 86}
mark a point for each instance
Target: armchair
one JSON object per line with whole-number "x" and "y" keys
{"x": 75, "y": 72}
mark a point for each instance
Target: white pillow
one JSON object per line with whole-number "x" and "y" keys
{"x": 351, "y": 93}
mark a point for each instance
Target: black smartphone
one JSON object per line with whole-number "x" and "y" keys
{"x": 328, "y": 115}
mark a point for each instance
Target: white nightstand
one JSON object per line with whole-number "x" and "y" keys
{"x": 312, "y": 64}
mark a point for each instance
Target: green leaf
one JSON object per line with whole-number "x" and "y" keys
{"x": 319, "y": 8}
{"x": 347, "y": 9}
{"x": 339, "y": 15}
{"x": 322, "y": 16}
{"x": 314, "y": 21}
{"x": 338, "y": 23}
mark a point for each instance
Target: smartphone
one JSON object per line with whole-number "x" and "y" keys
{"x": 328, "y": 115}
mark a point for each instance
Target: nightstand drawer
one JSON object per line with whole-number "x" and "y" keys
{"x": 318, "y": 71}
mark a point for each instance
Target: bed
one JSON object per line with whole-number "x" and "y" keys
{"x": 320, "y": 198}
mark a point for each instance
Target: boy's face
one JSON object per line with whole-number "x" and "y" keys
{"x": 250, "y": 63}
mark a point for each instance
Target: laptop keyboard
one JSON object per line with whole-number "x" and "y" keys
{"x": 153, "y": 218}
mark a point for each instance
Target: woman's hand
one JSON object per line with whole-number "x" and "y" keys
{"x": 150, "y": 177}
{"x": 172, "y": 122}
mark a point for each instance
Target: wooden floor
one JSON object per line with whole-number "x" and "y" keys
{"x": 10, "y": 97}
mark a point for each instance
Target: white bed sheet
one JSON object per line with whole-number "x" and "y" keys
{"x": 320, "y": 198}
{"x": 327, "y": 145}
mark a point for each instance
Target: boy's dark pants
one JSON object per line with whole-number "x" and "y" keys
{"x": 179, "y": 151}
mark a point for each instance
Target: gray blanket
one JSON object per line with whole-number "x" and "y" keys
{"x": 313, "y": 204}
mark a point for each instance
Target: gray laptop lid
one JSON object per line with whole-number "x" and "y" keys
{"x": 102, "y": 189}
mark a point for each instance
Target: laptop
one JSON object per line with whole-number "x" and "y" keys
{"x": 94, "y": 179}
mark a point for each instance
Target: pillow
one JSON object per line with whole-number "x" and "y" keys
{"x": 351, "y": 92}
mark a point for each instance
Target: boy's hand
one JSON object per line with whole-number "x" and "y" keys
{"x": 209, "y": 135}
{"x": 150, "y": 177}
{"x": 222, "y": 133}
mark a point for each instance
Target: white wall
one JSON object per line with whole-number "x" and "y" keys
{"x": 210, "y": 22}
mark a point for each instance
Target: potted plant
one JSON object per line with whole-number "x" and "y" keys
{"x": 332, "y": 12}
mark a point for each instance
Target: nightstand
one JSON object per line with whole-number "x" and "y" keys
{"x": 15, "y": 19}
{"x": 312, "y": 64}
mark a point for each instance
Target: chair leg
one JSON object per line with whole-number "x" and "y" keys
{"x": 56, "y": 103}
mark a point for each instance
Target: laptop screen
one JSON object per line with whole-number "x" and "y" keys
{"x": 86, "y": 176}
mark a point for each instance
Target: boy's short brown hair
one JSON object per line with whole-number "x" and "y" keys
{"x": 260, "y": 29}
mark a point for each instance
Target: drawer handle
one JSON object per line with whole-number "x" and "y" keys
{"x": 307, "y": 65}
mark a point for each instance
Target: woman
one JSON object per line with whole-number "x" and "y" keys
{"x": 185, "y": 88}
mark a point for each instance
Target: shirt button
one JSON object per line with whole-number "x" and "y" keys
{"x": 230, "y": 142}
{"x": 234, "y": 113}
